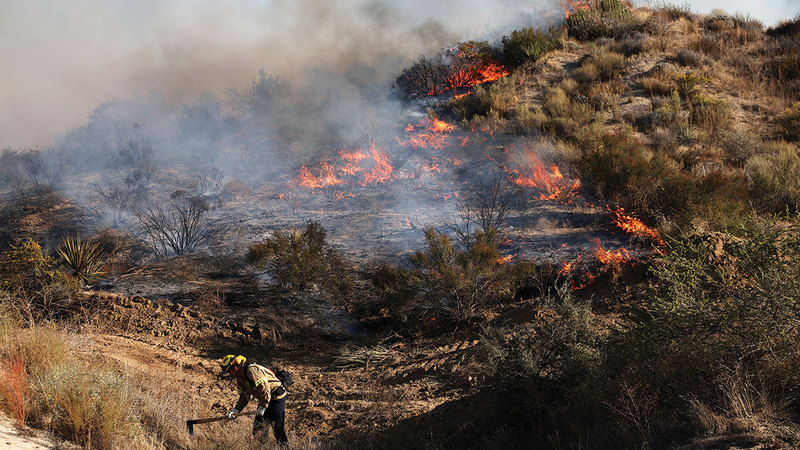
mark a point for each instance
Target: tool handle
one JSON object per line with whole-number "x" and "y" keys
{"x": 217, "y": 419}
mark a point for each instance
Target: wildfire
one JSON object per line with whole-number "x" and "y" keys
{"x": 634, "y": 226}
{"x": 570, "y": 7}
{"x": 551, "y": 183}
{"x": 430, "y": 133}
{"x": 620, "y": 256}
{"x": 506, "y": 259}
{"x": 372, "y": 166}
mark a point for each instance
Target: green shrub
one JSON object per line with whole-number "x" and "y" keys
{"x": 618, "y": 167}
{"x": 774, "y": 179}
{"x": 720, "y": 303}
{"x": 457, "y": 283}
{"x": 295, "y": 258}
{"x": 791, "y": 122}
{"x": 529, "y": 45}
{"x": 689, "y": 84}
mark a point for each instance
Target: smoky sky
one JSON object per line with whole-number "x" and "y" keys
{"x": 61, "y": 59}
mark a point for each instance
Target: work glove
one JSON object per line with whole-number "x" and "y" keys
{"x": 233, "y": 413}
{"x": 260, "y": 411}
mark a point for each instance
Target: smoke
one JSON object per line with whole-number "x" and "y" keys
{"x": 63, "y": 59}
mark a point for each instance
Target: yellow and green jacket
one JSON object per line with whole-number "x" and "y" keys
{"x": 258, "y": 382}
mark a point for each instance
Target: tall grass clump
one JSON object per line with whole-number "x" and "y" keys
{"x": 774, "y": 179}
{"x": 91, "y": 406}
{"x": 602, "y": 18}
{"x": 14, "y": 390}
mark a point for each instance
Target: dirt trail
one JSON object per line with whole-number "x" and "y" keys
{"x": 13, "y": 438}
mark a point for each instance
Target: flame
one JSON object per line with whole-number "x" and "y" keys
{"x": 326, "y": 176}
{"x": 430, "y": 133}
{"x": 506, "y": 259}
{"x": 552, "y": 184}
{"x": 570, "y": 7}
{"x": 620, "y": 256}
{"x": 373, "y": 166}
{"x": 634, "y": 226}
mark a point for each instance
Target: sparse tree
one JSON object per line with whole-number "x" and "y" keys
{"x": 207, "y": 179}
{"x": 482, "y": 208}
{"x": 42, "y": 169}
{"x": 181, "y": 226}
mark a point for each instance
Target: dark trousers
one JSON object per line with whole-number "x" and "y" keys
{"x": 274, "y": 416}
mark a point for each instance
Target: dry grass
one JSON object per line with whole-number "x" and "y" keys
{"x": 14, "y": 390}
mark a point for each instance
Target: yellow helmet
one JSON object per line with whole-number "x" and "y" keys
{"x": 229, "y": 361}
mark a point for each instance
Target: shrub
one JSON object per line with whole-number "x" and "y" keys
{"x": 181, "y": 226}
{"x": 295, "y": 258}
{"x": 630, "y": 45}
{"x": 774, "y": 179}
{"x": 618, "y": 167}
{"x": 501, "y": 97}
{"x": 719, "y": 303}
{"x": 609, "y": 65}
{"x": 657, "y": 85}
{"x": 92, "y": 407}
{"x": 791, "y": 122}
{"x": 686, "y": 57}
{"x": 82, "y": 257}
{"x": 457, "y": 282}
{"x": 689, "y": 84}
{"x": 710, "y": 113}
{"x": 603, "y": 18}
{"x": 529, "y": 45}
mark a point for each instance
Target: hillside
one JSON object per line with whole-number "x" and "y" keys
{"x": 585, "y": 236}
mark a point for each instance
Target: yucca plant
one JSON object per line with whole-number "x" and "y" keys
{"x": 81, "y": 256}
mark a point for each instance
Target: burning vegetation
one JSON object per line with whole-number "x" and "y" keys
{"x": 519, "y": 207}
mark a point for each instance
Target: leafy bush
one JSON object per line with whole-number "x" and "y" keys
{"x": 529, "y": 45}
{"x": 295, "y": 258}
{"x": 791, "y": 122}
{"x": 500, "y": 98}
{"x": 686, "y": 57}
{"x": 774, "y": 179}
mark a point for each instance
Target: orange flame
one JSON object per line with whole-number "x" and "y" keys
{"x": 620, "y": 256}
{"x": 506, "y": 259}
{"x": 552, "y": 184}
{"x": 430, "y": 133}
{"x": 372, "y": 166}
{"x": 570, "y": 7}
{"x": 634, "y": 226}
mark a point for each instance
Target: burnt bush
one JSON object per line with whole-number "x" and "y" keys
{"x": 265, "y": 95}
{"x": 296, "y": 258}
{"x": 42, "y": 170}
{"x": 447, "y": 70}
{"x": 179, "y": 226}
{"x": 529, "y": 45}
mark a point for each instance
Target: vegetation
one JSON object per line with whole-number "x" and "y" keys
{"x": 82, "y": 258}
{"x": 529, "y": 45}
{"x": 295, "y": 258}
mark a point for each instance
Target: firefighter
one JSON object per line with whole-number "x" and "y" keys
{"x": 254, "y": 380}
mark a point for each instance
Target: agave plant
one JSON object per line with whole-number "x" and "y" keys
{"x": 82, "y": 257}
